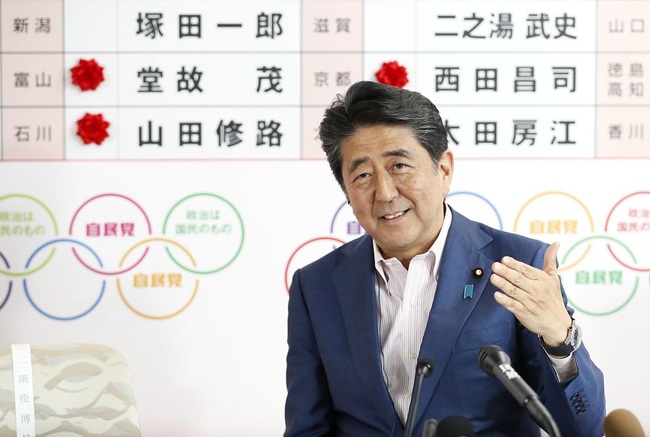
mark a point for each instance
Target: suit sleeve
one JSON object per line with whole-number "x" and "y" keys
{"x": 577, "y": 405}
{"x": 308, "y": 408}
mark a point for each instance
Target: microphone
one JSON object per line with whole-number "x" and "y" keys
{"x": 622, "y": 423}
{"x": 423, "y": 369}
{"x": 430, "y": 426}
{"x": 495, "y": 362}
{"x": 455, "y": 426}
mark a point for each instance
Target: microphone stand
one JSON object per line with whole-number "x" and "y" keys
{"x": 423, "y": 369}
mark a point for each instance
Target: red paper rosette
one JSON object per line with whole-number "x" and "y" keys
{"x": 87, "y": 75}
{"x": 391, "y": 73}
{"x": 92, "y": 128}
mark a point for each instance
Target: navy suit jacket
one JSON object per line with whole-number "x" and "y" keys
{"x": 334, "y": 372}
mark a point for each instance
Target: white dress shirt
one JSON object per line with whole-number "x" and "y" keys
{"x": 404, "y": 299}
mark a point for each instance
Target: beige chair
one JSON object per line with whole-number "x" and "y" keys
{"x": 78, "y": 390}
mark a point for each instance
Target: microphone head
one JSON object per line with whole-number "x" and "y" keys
{"x": 430, "y": 427}
{"x": 455, "y": 426}
{"x": 425, "y": 367}
{"x": 622, "y": 423}
{"x": 491, "y": 356}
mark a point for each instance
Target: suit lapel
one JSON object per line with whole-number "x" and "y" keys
{"x": 355, "y": 288}
{"x": 451, "y": 309}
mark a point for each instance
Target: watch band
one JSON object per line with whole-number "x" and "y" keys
{"x": 571, "y": 343}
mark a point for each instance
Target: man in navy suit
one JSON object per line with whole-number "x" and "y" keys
{"x": 424, "y": 282}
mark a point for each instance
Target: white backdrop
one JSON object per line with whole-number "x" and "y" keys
{"x": 196, "y": 297}
{"x": 217, "y": 368}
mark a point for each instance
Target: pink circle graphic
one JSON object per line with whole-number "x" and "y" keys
{"x": 306, "y": 243}
{"x": 607, "y": 223}
{"x": 128, "y": 268}
{"x": 6, "y": 298}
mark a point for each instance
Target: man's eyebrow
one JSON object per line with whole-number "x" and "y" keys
{"x": 397, "y": 152}
{"x": 356, "y": 163}
{"x": 389, "y": 153}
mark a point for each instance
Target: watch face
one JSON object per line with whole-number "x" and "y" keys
{"x": 576, "y": 337}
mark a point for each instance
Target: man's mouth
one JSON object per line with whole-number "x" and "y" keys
{"x": 394, "y": 216}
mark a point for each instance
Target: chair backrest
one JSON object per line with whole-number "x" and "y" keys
{"x": 78, "y": 390}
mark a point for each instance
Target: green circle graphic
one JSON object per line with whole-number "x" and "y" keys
{"x": 219, "y": 268}
{"x": 636, "y": 282}
{"x": 56, "y": 233}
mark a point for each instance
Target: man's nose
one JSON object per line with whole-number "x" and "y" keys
{"x": 385, "y": 189}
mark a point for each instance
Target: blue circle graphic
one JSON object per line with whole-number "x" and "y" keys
{"x": 40, "y": 310}
{"x": 456, "y": 193}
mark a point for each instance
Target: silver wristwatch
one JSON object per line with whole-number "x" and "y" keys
{"x": 572, "y": 342}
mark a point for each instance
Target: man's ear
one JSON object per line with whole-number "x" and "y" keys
{"x": 446, "y": 168}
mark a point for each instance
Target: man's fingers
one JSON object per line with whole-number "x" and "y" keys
{"x": 505, "y": 276}
{"x": 517, "y": 271}
{"x": 510, "y": 290}
{"x": 504, "y": 301}
{"x": 512, "y": 305}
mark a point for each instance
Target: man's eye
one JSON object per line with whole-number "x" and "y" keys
{"x": 363, "y": 175}
{"x": 400, "y": 166}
